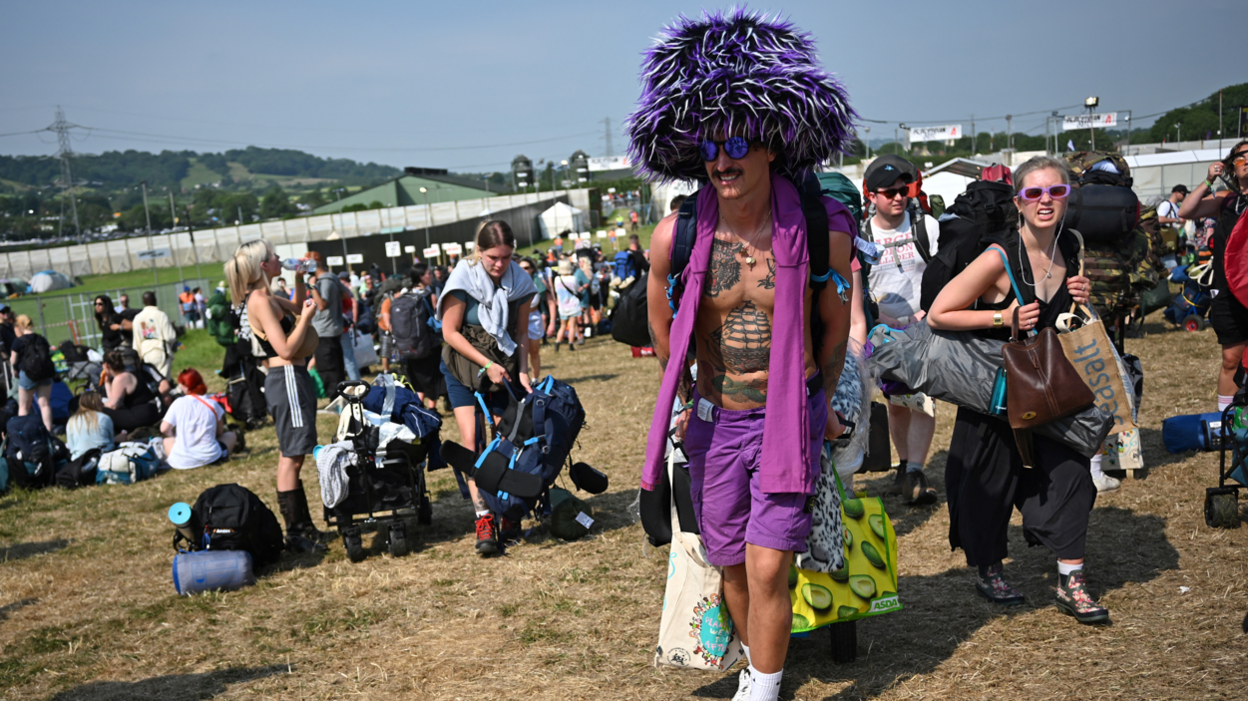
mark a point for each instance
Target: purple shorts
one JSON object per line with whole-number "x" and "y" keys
{"x": 728, "y": 501}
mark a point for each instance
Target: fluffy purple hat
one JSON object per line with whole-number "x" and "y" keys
{"x": 740, "y": 73}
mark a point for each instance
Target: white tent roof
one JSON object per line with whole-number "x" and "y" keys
{"x": 561, "y": 217}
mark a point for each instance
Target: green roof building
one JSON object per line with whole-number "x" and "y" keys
{"x": 404, "y": 191}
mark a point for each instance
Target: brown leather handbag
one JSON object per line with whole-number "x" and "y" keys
{"x": 1040, "y": 383}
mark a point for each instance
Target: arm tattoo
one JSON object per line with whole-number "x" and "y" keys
{"x": 725, "y": 271}
{"x": 832, "y": 370}
{"x": 654, "y": 340}
{"x": 744, "y": 341}
{"x": 769, "y": 282}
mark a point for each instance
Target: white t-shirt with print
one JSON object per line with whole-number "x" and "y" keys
{"x": 195, "y": 442}
{"x": 896, "y": 282}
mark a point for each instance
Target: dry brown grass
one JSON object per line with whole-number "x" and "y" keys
{"x": 87, "y": 610}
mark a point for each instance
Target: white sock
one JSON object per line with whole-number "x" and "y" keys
{"x": 482, "y": 514}
{"x": 747, "y": 654}
{"x": 914, "y": 466}
{"x": 1224, "y": 402}
{"x": 1096, "y": 466}
{"x": 764, "y": 687}
{"x": 1065, "y": 570}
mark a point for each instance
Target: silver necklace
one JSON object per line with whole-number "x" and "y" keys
{"x": 1052, "y": 257}
{"x": 744, "y": 250}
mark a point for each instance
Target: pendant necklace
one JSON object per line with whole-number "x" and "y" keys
{"x": 1052, "y": 257}
{"x": 744, "y": 249}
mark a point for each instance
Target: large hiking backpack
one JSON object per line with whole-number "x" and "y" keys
{"x": 29, "y": 446}
{"x": 129, "y": 463}
{"x": 409, "y": 324}
{"x": 623, "y": 266}
{"x": 230, "y": 517}
{"x": 535, "y": 436}
{"x": 983, "y": 208}
{"x": 1083, "y": 169}
{"x": 36, "y": 359}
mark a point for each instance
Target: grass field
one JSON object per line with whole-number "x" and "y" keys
{"x": 199, "y": 174}
{"x": 87, "y": 610}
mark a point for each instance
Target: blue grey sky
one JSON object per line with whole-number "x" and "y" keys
{"x": 468, "y": 85}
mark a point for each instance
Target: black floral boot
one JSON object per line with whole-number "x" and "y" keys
{"x": 992, "y": 586}
{"x": 1073, "y": 598}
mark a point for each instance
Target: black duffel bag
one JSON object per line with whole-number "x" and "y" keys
{"x": 1102, "y": 213}
{"x": 630, "y": 321}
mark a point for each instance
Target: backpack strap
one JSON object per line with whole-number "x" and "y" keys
{"x": 817, "y": 247}
{"x": 683, "y": 235}
{"x": 918, "y": 225}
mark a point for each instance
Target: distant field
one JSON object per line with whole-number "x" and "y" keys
{"x": 239, "y": 172}
{"x": 199, "y": 174}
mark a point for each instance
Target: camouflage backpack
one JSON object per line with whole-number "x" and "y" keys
{"x": 1081, "y": 168}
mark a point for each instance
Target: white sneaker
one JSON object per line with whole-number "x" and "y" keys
{"x": 743, "y": 686}
{"x": 1105, "y": 483}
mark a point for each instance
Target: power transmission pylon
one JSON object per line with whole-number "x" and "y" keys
{"x": 65, "y": 152}
{"x": 607, "y": 122}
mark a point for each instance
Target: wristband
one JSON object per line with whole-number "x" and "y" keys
{"x": 485, "y": 367}
{"x": 1209, "y": 184}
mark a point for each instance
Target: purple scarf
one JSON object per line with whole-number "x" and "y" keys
{"x": 786, "y": 423}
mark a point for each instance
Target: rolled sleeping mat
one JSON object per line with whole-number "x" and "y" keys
{"x": 493, "y": 475}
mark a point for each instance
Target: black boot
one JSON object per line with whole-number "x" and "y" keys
{"x": 309, "y": 527}
{"x": 294, "y": 508}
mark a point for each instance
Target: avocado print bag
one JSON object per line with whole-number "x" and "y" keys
{"x": 695, "y": 630}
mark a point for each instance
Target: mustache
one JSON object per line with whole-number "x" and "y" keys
{"x": 729, "y": 171}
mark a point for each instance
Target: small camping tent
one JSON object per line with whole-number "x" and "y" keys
{"x": 49, "y": 280}
{"x": 560, "y": 218}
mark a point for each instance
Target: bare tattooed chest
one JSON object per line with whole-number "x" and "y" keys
{"x": 734, "y": 323}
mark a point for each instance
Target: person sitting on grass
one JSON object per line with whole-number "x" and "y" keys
{"x": 130, "y": 403}
{"x": 194, "y": 427}
{"x": 89, "y": 428}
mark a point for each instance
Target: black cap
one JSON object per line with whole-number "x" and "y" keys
{"x": 1179, "y": 188}
{"x": 885, "y": 170}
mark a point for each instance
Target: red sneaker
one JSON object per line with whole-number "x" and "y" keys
{"x": 487, "y": 542}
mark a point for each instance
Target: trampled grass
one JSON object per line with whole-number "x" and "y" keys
{"x": 87, "y": 609}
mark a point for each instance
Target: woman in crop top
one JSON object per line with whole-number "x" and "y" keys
{"x": 131, "y": 403}
{"x": 284, "y": 330}
{"x": 487, "y": 288}
{"x": 984, "y": 474}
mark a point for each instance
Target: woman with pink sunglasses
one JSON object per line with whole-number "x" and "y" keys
{"x": 984, "y": 474}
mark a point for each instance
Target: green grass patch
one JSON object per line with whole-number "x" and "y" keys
{"x": 239, "y": 172}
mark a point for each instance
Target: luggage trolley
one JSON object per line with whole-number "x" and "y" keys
{"x": 386, "y": 492}
{"x": 1222, "y": 501}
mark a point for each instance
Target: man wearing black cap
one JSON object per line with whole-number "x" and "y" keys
{"x": 909, "y": 239}
{"x": 1168, "y": 210}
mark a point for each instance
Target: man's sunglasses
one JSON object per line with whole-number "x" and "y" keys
{"x": 1057, "y": 192}
{"x": 892, "y": 192}
{"x": 736, "y": 147}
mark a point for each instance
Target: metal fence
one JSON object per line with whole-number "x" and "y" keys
{"x": 58, "y": 317}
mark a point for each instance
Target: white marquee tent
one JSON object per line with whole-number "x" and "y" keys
{"x": 560, "y": 218}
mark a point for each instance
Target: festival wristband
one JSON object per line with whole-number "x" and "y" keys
{"x": 484, "y": 368}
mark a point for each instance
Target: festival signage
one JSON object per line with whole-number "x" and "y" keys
{"x": 334, "y": 260}
{"x": 948, "y": 132}
{"x": 353, "y": 258}
{"x": 1072, "y": 122}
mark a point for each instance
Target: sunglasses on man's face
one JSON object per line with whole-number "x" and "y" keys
{"x": 892, "y": 192}
{"x": 736, "y": 147}
{"x": 1057, "y": 192}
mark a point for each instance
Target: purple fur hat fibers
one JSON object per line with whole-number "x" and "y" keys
{"x": 740, "y": 73}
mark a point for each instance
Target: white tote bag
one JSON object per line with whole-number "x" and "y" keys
{"x": 695, "y": 630}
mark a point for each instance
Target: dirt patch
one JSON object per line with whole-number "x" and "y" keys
{"x": 87, "y": 609}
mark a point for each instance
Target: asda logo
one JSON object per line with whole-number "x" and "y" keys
{"x": 885, "y": 603}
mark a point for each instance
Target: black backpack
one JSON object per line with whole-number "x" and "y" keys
{"x": 985, "y": 207}
{"x": 409, "y": 324}
{"x": 36, "y": 359}
{"x": 231, "y": 517}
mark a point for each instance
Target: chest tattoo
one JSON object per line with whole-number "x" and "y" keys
{"x": 769, "y": 282}
{"x": 744, "y": 341}
{"x": 725, "y": 270}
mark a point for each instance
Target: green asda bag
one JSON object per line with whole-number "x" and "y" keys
{"x": 318, "y": 382}
{"x": 866, "y": 585}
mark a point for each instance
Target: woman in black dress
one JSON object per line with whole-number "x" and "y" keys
{"x": 1227, "y": 315}
{"x": 115, "y": 329}
{"x": 984, "y": 476}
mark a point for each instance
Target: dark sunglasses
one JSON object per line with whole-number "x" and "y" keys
{"x": 736, "y": 147}
{"x": 1057, "y": 192}
{"x": 892, "y": 192}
